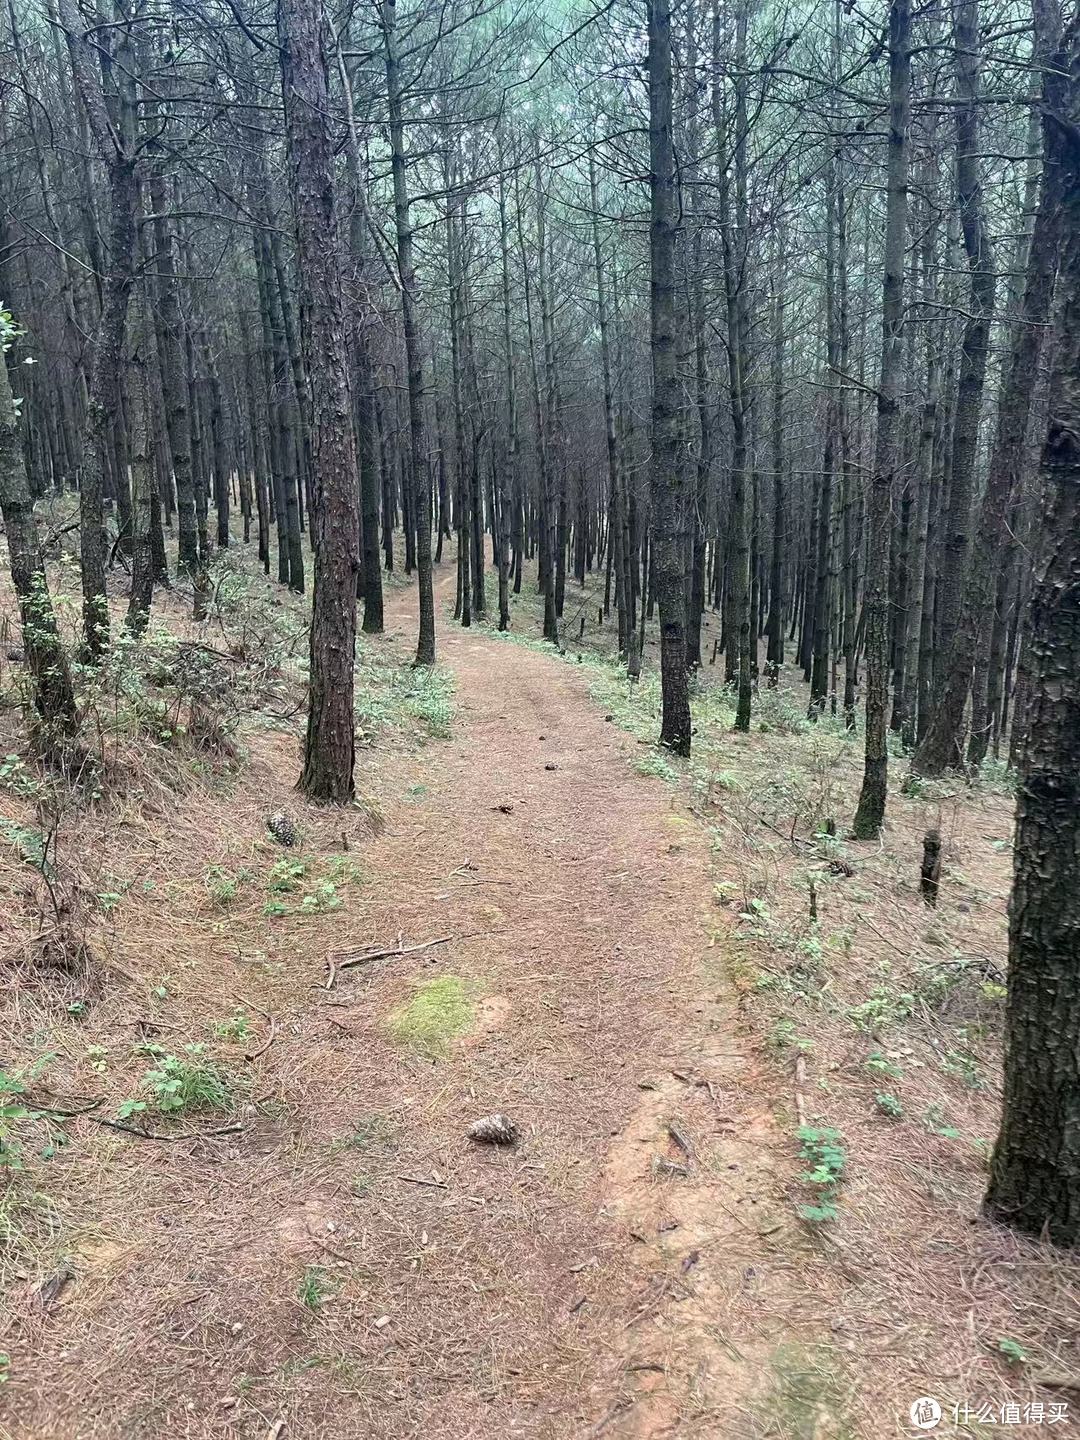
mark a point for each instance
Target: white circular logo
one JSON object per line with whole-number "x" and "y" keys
{"x": 925, "y": 1413}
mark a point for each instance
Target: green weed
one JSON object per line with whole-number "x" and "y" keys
{"x": 889, "y": 1104}
{"x": 1013, "y": 1351}
{"x": 885, "y": 1007}
{"x": 223, "y": 885}
{"x": 657, "y": 766}
{"x": 823, "y": 1149}
{"x": 235, "y": 1030}
{"x": 179, "y": 1083}
{"x": 315, "y": 1287}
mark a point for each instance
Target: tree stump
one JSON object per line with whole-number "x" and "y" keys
{"x": 931, "y": 867}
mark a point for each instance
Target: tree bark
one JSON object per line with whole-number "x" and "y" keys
{"x": 1035, "y": 1175}
{"x": 420, "y": 476}
{"x": 329, "y": 750}
{"x": 667, "y": 478}
{"x": 46, "y": 663}
{"x": 943, "y": 745}
{"x": 117, "y": 145}
{"x": 871, "y": 808}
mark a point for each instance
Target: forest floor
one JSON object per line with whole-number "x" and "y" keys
{"x": 626, "y": 965}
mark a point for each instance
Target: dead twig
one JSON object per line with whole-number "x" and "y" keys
{"x": 800, "y": 1081}
{"x": 339, "y": 960}
{"x": 650, "y": 1304}
{"x": 682, "y": 1140}
{"x": 254, "y": 1054}
{"x": 419, "y": 1180}
{"x": 157, "y": 1135}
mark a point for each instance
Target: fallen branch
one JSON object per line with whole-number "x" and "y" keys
{"x": 271, "y": 1034}
{"x": 271, "y": 1022}
{"x": 41, "y": 1109}
{"x": 345, "y": 959}
{"x": 419, "y": 1180}
{"x": 800, "y": 1081}
{"x": 157, "y": 1135}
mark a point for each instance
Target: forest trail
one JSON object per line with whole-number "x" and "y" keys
{"x": 632, "y": 1237}
{"x": 352, "y": 1265}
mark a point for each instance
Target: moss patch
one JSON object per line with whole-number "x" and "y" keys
{"x": 440, "y": 1011}
{"x": 807, "y": 1394}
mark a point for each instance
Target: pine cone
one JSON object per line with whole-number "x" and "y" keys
{"x": 282, "y": 829}
{"x": 493, "y": 1130}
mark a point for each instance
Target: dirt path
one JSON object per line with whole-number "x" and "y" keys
{"x": 621, "y": 1272}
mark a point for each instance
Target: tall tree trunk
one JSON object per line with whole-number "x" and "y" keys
{"x": 775, "y": 650}
{"x": 142, "y": 475}
{"x": 329, "y": 749}
{"x": 667, "y": 478}
{"x": 506, "y": 476}
{"x": 737, "y": 626}
{"x": 1035, "y": 1176}
{"x": 942, "y": 747}
{"x": 935, "y": 748}
{"x": 46, "y": 663}
{"x": 116, "y": 143}
{"x": 420, "y": 474}
{"x": 871, "y": 808}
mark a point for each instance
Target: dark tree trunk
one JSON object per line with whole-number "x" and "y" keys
{"x": 1035, "y": 1177}
{"x": 667, "y": 480}
{"x": 116, "y": 145}
{"x": 46, "y": 663}
{"x": 976, "y": 342}
{"x": 942, "y": 746}
{"x": 420, "y": 475}
{"x": 328, "y": 755}
{"x": 142, "y": 479}
{"x": 871, "y": 808}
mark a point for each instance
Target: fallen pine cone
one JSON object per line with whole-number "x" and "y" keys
{"x": 493, "y": 1130}
{"x": 282, "y": 829}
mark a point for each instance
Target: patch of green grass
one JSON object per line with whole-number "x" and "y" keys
{"x": 176, "y": 1084}
{"x": 884, "y": 1007}
{"x": 343, "y": 871}
{"x": 784, "y": 1035}
{"x": 223, "y": 885}
{"x": 889, "y": 1105}
{"x": 389, "y": 697}
{"x": 877, "y": 1062}
{"x": 997, "y": 777}
{"x": 778, "y": 712}
{"x": 109, "y": 899}
{"x": 285, "y": 876}
{"x": 438, "y": 1012}
{"x": 236, "y": 1029}
{"x": 16, "y": 776}
{"x": 30, "y": 843}
{"x": 429, "y": 698}
{"x": 315, "y": 1287}
{"x": 659, "y": 767}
